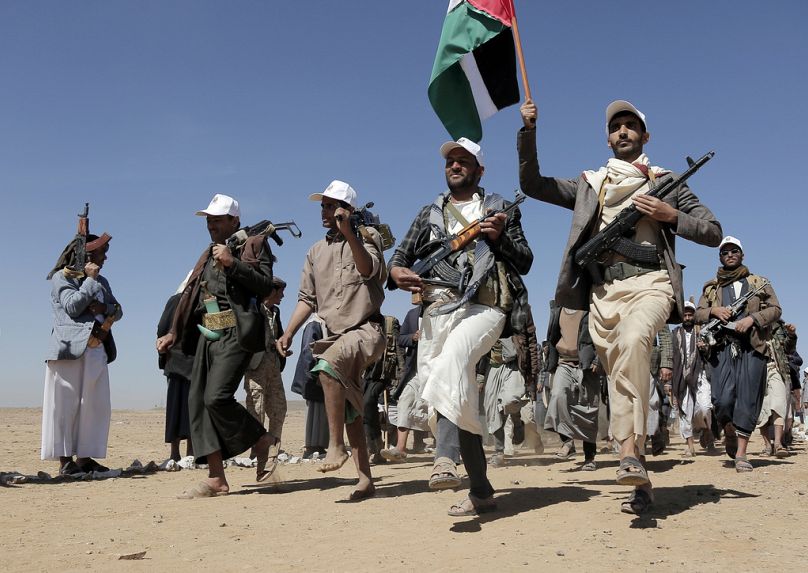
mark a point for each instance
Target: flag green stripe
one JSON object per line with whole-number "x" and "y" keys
{"x": 449, "y": 90}
{"x": 451, "y": 97}
{"x": 463, "y": 30}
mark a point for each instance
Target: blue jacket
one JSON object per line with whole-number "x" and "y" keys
{"x": 72, "y": 321}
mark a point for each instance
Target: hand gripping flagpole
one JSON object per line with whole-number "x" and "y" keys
{"x": 517, "y": 41}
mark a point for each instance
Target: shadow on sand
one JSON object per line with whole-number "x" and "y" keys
{"x": 670, "y": 501}
{"x": 514, "y": 501}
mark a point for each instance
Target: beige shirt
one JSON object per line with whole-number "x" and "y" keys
{"x": 334, "y": 289}
{"x": 647, "y": 231}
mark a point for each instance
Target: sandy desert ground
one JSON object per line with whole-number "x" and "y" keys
{"x": 706, "y": 517}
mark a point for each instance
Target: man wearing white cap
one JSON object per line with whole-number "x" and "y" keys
{"x": 690, "y": 388}
{"x": 461, "y": 324}
{"x": 219, "y": 302}
{"x": 633, "y": 298}
{"x": 738, "y": 364}
{"x": 343, "y": 282}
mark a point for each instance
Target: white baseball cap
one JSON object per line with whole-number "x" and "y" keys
{"x": 619, "y": 106}
{"x": 466, "y": 144}
{"x": 690, "y": 305}
{"x": 221, "y": 205}
{"x": 338, "y": 190}
{"x": 730, "y": 240}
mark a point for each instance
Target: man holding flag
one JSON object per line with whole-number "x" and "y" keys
{"x": 635, "y": 298}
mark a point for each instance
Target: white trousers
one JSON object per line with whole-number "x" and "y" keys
{"x": 775, "y": 401}
{"x": 694, "y": 415}
{"x": 76, "y": 408}
{"x": 448, "y": 351}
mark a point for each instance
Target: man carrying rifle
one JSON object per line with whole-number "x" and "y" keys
{"x": 76, "y": 408}
{"x": 343, "y": 282}
{"x": 461, "y": 322}
{"x": 739, "y": 357}
{"x": 629, "y": 297}
{"x": 219, "y": 301}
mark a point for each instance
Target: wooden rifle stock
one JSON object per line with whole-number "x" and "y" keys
{"x": 466, "y": 235}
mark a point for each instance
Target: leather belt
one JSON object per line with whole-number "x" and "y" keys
{"x": 622, "y": 270}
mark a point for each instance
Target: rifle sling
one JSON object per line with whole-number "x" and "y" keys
{"x": 456, "y": 214}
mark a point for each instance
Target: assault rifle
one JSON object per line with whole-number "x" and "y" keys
{"x": 711, "y": 330}
{"x": 81, "y": 241}
{"x": 362, "y": 217}
{"x": 614, "y": 235}
{"x": 265, "y": 228}
{"x": 452, "y": 244}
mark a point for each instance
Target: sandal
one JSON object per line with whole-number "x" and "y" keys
{"x": 394, "y": 455}
{"x": 70, "y": 468}
{"x": 781, "y": 452}
{"x": 92, "y": 466}
{"x": 268, "y": 463}
{"x": 472, "y": 505}
{"x": 742, "y": 465}
{"x": 638, "y": 502}
{"x": 566, "y": 451}
{"x": 588, "y": 466}
{"x": 765, "y": 452}
{"x": 631, "y": 472}
{"x": 444, "y": 475}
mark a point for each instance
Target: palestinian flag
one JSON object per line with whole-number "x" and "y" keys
{"x": 474, "y": 75}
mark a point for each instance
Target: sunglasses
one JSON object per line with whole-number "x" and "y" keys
{"x": 729, "y": 252}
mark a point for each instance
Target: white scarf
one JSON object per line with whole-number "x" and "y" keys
{"x": 621, "y": 179}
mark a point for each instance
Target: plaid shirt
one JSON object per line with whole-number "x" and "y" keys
{"x": 512, "y": 249}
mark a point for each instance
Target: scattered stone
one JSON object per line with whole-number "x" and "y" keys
{"x": 133, "y": 556}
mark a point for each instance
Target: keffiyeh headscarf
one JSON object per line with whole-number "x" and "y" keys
{"x": 620, "y": 179}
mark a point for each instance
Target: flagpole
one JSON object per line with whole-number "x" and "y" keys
{"x": 517, "y": 41}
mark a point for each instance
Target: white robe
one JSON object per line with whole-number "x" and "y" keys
{"x": 76, "y": 408}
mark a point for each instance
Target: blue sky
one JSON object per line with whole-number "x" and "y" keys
{"x": 146, "y": 109}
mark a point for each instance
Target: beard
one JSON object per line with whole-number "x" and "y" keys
{"x": 688, "y": 324}
{"x": 463, "y": 183}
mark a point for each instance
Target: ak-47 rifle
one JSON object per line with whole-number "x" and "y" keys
{"x": 362, "y": 217}
{"x": 265, "y": 228}
{"x": 710, "y": 332}
{"x": 614, "y": 235}
{"x": 81, "y": 242}
{"x": 452, "y": 244}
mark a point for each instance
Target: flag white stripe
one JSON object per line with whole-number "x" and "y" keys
{"x": 453, "y": 4}
{"x": 482, "y": 99}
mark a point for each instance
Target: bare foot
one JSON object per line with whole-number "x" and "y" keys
{"x": 334, "y": 459}
{"x": 204, "y": 489}
{"x": 364, "y": 490}
{"x": 218, "y": 485}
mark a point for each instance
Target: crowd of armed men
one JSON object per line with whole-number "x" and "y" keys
{"x": 465, "y": 365}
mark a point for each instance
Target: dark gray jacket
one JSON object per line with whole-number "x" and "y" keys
{"x": 695, "y": 223}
